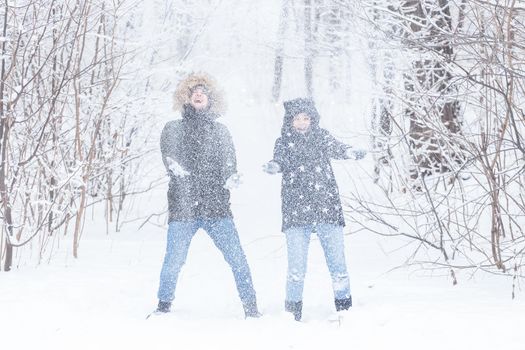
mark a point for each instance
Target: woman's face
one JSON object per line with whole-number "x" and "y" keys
{"x": 301, "y": 122}
{"x": 199, "y": 99}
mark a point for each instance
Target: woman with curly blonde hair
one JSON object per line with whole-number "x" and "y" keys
{"x": 199, "y": 156}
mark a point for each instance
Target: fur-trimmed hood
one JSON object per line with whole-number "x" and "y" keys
{"x": 182, "y": 93}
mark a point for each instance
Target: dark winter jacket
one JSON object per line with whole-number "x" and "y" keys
{"x": 204, "y": 148}
{"x": 309, "y": 191}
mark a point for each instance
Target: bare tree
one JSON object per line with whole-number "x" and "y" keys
{"x": 457, "y": 125}
{"x": 59, "y": 122}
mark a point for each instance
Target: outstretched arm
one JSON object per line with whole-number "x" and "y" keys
{"x": 334, "y": 148}
{"x": 339, "y": 150}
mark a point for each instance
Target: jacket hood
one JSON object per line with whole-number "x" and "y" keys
{"x": 182, "y": 94}
{"x": 296, "y": 106}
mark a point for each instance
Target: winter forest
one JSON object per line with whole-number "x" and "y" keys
{"x": 433, "y": 90}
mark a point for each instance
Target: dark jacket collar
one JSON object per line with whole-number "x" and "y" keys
{"x": 191, "y": 114}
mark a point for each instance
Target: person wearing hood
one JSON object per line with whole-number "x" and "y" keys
{"x": 199, "y": 156}
{"x": 310, "y": 199}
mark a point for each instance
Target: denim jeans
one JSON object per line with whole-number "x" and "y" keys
{"x": 332, "y": 242}
{"x": 224, "y": 235}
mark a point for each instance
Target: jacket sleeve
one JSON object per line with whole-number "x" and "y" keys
{"x": 334, "y": 148}
{"x": 170, "y": 143}
{"x": 280, "y": 156}
{"x": 229, "y": 160}
{"x": 166, "y": 144}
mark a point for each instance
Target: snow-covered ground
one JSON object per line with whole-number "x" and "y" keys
{"x": 100, "y": 301}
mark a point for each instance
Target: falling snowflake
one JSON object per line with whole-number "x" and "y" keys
{"x": 302, "y": 168}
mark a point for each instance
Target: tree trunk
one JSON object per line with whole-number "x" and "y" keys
{"x": 279, "y": 52}
{"x": 335, "y": 32}
{"x": 430, "y": 89}
{"x": 4, "y": 135}
{"x": 308, "y": 46}
{"x": 383, "y": 75}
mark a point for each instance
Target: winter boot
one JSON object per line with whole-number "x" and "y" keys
{"x": 250, "y": 310}
{"x": 164, "y": 306}
{"x": 343, "y": 304}
{"x": 295, "y": 307}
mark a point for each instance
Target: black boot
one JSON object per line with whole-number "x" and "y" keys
{"x": 164, "y": 306}
{"x": 343, "y": 304}
{"x": 295, "y": 307}
{"x": 250, "y": 310}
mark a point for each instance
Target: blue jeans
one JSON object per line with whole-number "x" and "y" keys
{"x": 224, "y": 235}
{"x": 332, "y": 241}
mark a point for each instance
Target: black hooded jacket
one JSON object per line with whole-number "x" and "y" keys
{"x": 309, "y": 191}
{"x": 204, "y": 148}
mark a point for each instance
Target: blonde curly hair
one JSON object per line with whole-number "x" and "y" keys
{"x": 183, "y": 91}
